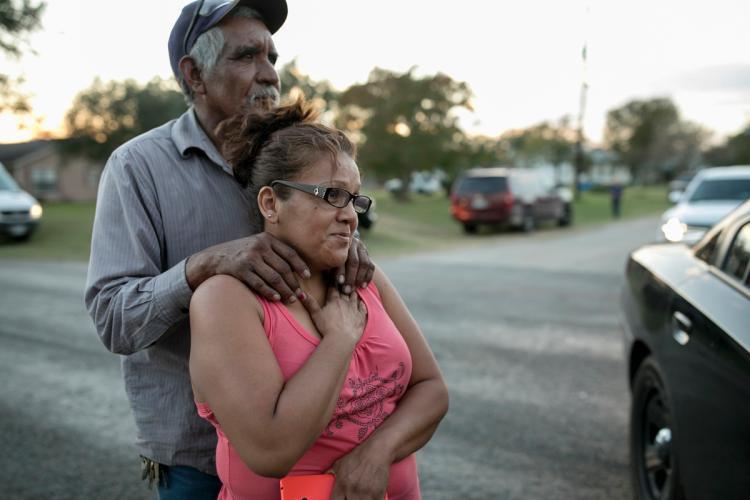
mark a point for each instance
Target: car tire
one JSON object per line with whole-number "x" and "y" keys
{"x": 653, "y": 466}
{"x": 567, "y": 216}
{"x": 470, "y": 228}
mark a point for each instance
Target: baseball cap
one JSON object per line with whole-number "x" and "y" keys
{"x": 201, "y": 15}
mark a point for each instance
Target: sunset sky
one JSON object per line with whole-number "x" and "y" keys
{"x": 521, "y": 59}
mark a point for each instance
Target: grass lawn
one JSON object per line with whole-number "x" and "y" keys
{"x": 64, "y": 234}
{"x": 425, "y": 223}
{"x": 421, "y": 225}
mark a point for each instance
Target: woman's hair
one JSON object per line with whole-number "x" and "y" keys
{"x": 278, "y": 145}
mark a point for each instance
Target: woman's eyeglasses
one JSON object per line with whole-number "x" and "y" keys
{"x": 336, "y": 197}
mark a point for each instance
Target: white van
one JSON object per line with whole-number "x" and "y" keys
{"x": 20, "y": 213}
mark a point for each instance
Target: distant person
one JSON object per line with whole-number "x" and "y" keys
{"x": 294, "y": 388}
{"x": 615, "y": 192}
{"x": 170, "y": 215}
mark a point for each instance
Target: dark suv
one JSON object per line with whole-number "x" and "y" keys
{"x": 519, "y": 198}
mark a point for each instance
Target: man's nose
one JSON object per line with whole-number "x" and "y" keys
{"x": 267, "y": 74}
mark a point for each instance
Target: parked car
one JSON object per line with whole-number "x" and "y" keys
{"x": 686, "y": 322}
{"x": 20, "y": 213}
{"x": 679, "y": 184}
{"x": 712, "y": 194}
{"x": 513, "y": 197}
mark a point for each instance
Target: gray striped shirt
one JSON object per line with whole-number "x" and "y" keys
{"x": 163, "y": 196}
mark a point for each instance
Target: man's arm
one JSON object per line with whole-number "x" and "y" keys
{"x": 131, "y": 298}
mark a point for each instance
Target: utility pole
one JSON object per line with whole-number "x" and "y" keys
{"x": 579, "y": 155}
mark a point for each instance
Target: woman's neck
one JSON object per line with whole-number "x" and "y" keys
{"x": 316, "y": 286}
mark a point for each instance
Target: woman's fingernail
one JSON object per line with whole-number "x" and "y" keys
{"x": 292, "y": 299}
{"x": 276, "y": 297}
{"x": 364, "y": 285}
{"x": 341, "y": 279}
{"x": 306, "y": 273}
{"x": 347, "y": 289}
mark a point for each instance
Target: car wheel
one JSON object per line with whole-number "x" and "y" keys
{"x": 652, "y": 459}
{"x": 567, "y": 216}
{"x": 470, "y": 228}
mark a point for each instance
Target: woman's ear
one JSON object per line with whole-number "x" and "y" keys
{"x": 192, "y": 75}
{"x": 267, "y": 204}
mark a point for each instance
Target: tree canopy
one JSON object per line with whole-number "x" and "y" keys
{"x": 404, "y": 123}
{"x": 652, "y": 139}
{"x": 107, "y": 114}
{"x": 734, "y": 151}
{"x": 18, "y": 18}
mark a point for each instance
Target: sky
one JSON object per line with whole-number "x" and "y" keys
{"x": 522, "y": 59}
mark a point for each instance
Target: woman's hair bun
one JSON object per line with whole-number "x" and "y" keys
{"x": 244, "y": 135}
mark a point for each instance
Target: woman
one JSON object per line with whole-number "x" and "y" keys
{"x": 332, "y": 381}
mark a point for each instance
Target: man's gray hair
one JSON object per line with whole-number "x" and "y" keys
{"x": 208, "y": 48}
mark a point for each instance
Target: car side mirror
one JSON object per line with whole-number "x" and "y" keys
{"x": 675, "y": 196}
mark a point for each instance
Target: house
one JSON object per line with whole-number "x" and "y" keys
{"x": 41, "y": 168}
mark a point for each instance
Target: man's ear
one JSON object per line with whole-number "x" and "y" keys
{"x": 268, "y": 204}
{"x": 193, "y": 75}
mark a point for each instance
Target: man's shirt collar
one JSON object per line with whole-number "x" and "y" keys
{"x": 188, "y": 134}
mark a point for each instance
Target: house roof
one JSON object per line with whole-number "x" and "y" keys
{"x": 11, "y": 152}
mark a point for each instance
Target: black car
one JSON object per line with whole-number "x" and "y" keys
{"x": 687, "y": 338}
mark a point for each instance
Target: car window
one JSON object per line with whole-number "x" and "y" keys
{"x": 6, "y": 181}
{"x": 738, "y": 257}
{"x": 722, "y": 189}
{"x": 481, "y": 185}
{"x": 707, "y": 252}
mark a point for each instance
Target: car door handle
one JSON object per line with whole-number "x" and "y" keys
{"x": 684, "y": 326}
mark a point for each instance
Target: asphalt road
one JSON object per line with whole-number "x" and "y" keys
{"x": 525, "y": 329}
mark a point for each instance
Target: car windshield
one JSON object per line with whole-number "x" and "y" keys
{"x": 482, "y": 185}
{"x": 6, "y": 181}
{"x": 722, "y": 189}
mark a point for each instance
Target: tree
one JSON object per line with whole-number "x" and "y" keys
{"x": 404, "y": 123}
{"x": 652, "y": 140}
{"x": 295, "y": 83}
{"x": 18, "y": 18}
{"x": 107, "y": 114}
{"x": 734, "y": 151}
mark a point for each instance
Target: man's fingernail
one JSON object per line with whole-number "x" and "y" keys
{"x": 276, "y": 297}
{"x": 347, "y": 289}
{"x": 292, "y": 299}
{"x": 341, "y": 279}
{"x": 306, "y": 273}
{"x": 364, "y": 285}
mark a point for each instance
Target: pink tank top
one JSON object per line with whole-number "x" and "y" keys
{"x": 378, "y": 376}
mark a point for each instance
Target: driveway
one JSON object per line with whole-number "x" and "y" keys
{"x": 525, "y": 329}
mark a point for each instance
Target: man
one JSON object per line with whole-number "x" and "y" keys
{"x": 170, "y": 215}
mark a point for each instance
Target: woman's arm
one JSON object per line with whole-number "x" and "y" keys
{"x": 364, "y": 471}
{"x": 270, "y": 422}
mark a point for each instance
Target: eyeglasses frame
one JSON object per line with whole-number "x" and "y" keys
{"x": 323, "y": 192}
